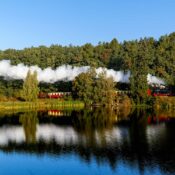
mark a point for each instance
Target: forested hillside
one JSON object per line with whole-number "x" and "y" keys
{"x": 141, "y": 57}
{"x": 157, "y": 56}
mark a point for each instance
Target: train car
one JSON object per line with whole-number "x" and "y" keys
{"x": 54, "y": 95}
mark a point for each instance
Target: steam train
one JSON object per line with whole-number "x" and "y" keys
{"x": 123, "y": 88}
{"x": 54, "y": 95}
{"x": 154, "y": 89}
{"x": 160, "y": 90}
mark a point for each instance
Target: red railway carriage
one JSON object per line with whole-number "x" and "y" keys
{"x": 54, "y": 95}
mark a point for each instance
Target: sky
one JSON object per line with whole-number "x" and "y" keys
{"x": 26, "y": 23}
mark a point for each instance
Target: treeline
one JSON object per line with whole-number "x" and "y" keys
{"x": 157, "y": 55}
{"x": 141, "y": 57}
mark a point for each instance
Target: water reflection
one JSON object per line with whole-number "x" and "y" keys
{"x": 106, "y": 136}
{"x": 29, "y": 121}
{"x": 59, "y": 113}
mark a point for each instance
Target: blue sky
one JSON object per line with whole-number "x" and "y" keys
{"x": 26, "y": 23}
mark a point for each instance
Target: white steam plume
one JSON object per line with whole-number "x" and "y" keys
{"x": 62, "y": 73}
{"x": 153, "y": 79}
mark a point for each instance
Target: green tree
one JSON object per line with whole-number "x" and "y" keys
{"x": 30, "y": 87}
{"x": 139, "y": 72}
{"x": 94, "y": 89}
{"x": 104, "y": 90}
{"x": 82, "y": 86}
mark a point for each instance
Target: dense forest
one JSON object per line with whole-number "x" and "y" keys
{"x": 143, "y": 56}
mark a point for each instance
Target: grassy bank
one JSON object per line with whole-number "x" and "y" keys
{"x": 41, "y": 104}
{"x": 160, "y": 103}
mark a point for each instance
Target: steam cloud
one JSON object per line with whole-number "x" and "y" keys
{"x": 62, "y": 73}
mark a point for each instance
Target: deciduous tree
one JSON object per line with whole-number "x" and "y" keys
{"x": 30, "y": 87}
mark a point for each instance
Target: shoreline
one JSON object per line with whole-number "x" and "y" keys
{"x": 41, "y": 104}
{"x": 160, "y": 103}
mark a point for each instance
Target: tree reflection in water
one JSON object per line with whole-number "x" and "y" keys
{"x": 29, "y": 122}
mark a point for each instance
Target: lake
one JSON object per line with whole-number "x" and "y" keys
{"x": 88, "y": 142}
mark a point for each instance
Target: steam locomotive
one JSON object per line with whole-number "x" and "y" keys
{"x": 160, "y": 90}
{"x": 154, "y": 89}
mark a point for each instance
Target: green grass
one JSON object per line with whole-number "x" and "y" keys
{"x": 41, "y": 104}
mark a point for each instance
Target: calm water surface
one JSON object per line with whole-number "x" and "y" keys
{"x": 87, "y": 142}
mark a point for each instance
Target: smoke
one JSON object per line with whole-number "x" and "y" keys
{"x": 62, "y": 73}
{"x": 153, "y": 79}
{"x": 118, "y": 76}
